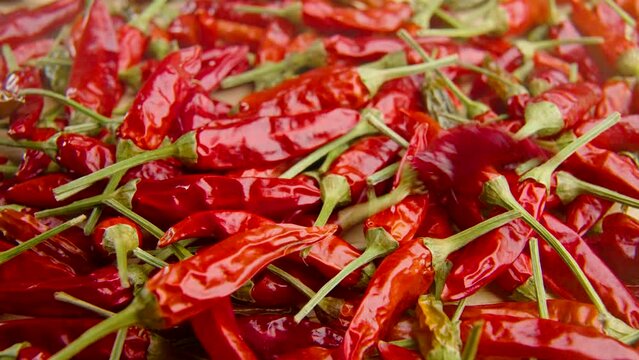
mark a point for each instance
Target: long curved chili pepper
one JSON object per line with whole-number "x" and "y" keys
{"x": 229, "y": 31}
{"x": 101, "y": 288}
{"x": 70, "y": 248}
{"x": 32, "y": 267}
{"x": 22, "y": 25}
{"x": 575, "y": 53}
{"x": 53, "y": 334}
{"x": 585, "y": 211}
{"x": 619, "y": 242}
{"x": 169, "y": 298}
{"x": 614, "y": 294}
{"x": 38, "y": 192}
{"x": 218, "y": 332}
{"x": 504, "y": 336}
{"x": 94, "y": 83}
{"x": 623, "y": 136}
{"x": 601, "y": 20}
{"x": 218, "y": 63}
{"x": 198, "y": 111}
{"x": 270, "y": 335}
{"x": 395, "y": 99}
{"x": 160, "y": 99}
{"x": 23, "y": 121}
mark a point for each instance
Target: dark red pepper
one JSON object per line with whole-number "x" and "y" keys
{"x": 83, "y": 155}
{"x": 623, "y": 136}
{"x": 585, "y": 211}
{"x": 218, "y": 63}
{"x": 38, "y": 192}
{"x": 22, "y": 123}
{"x": 618, "y": 246}
{"x": 32, "y": 267}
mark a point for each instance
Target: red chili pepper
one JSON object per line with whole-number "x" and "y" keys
{"x": 270, "y": 291}
{"x": 132, "y": 42}
{"x": 226, "y": 10}
{"x": 309, "y": 353}
{"x": 549, "y": 72}
{"x": 619, "y": 242}
{"x": 231, "y": 32}
{"x": 33, "y": 353}
{"x": 618, "y": 300}
{"x": 83, "y": 155}
{"x": 437, "y": 224}
{"x": 601, "y": 20}
{"x": 101, "y": 288}
{"x": 403, "y": 220}
{"x": 38, "y": 192}
{"x": 523, "y": 15}
{"x": 199, "y": 110}
{"x": 517, "y": 275}
{"x": 585, "y": 211}
{"x": 397, "y": 283}
{"x": 617, "y": 96}
{"x": 395, "y": 100}
{"x": 154, "y": 170}
{"x": 94, "y": 83}
{"x": 31, "y": 50}
{"x": 32, "y": 266}
{"x": 22, "y": 123}
{"x": 504, "y": 336}
{"x": 219, "y": 63}
{"x": 185, "y": 29}
{"x": 623, "y": 136}
{"x": 219, "y": 334}
{"x": 273, "y": 46}
{"x": 53, "y": 334}
{"x": 575, "y": 53}
{"x": 35, "y": 162}
{"x": 24, "y": 24}
{"x": 160, "y": 99}
{"x": 270, "y": 335}
{"x": 71, "y": 247}
{"x": 388, "y": 351}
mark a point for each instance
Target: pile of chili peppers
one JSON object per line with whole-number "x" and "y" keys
{"x": 427, "y": 179}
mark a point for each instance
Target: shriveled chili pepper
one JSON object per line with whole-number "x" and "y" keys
{"x": 548, "y": 73}
{"x": 70, "y": 248}
{"x": 395, "y": 99}
{"x": 169, "y": 299}
{"x": 270, "y": 291}
{"x": 232, "y": 32}
{"x": 31, "y": 267}
{"x": 561, "y": 107}
{"x": 585, "y": 211}
{"x": 601, "y": 20}
{"x": 185, "y": 29}
{"x": 621, "y": 137}
{"x": 388, "y": 351}
{"x": 218, "y": 332}
{"x": 504, "y": 336}
{"x": 154, "y": 170}
{"x": 160, "y": 99}
{"x": 38, "y": 192}
{"x": 22, "y": 124}
{"x": 31, "y": 50}
{"x": 403, "y": 220}
{"x": 618, "y": 248}
{"x": 94, "y": 83}
{"x": 309, "y": 353}
{"x": 575, "y": 53}
{"x": 101, "y": 288}
{"x": 279, "y": 34}
{"x": 218, "y": 63}
{"x": 24, "y": 24}
{"x": 53, "y": 334}
{"x": 617, "y": 96}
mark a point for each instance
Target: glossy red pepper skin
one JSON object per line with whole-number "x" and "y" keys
{"x": 219, "y": 334}
{"x": 398, "y": 100}
{"x": 504, "y": 336}
{"x": 22, "y": 122}
{"x": 397, "y": 283}
{"x": 618, "y": 300}
{"x": 229, "y": 32}
{"x": 154, "y": 170}
{"x": 132, "y": 42}
{"x": 619, "y": 242}
{"x": 605, "y": 168}
{"x": 323, "y": 16}
{"x": 322, "y": 88}
{"x": 27, "y": 24}
{"x": 33, "y": 353}
{"x": 271, "y": 291}
{"x": 31, "y": 50}
{"x": 246, "y": 144}
{"x": 388, "y": 351}
{"x": 221, "y": 269}
{"x": 32, "y": 267}
{"x": 52, "y": 334}
{"x": 573, "y": 100}
{"x": 82, "y": 155}
{"x": 279, "y": 34}
{"x": 523, "y": 15}
{"x": 623, "y": 136}
{"x": 401, "y": 221}
{"x": 70, "y": 247}
{"x": 270, "y": 335}
{"x": 94, "y": 83}
{"x": 575, "y": 53}
{"x": 35, "y": 162}
{"x": 486, "y": 257}
{"x": 218, "y": 63}
{"x": 101, "y": 288}
{"x": 160, "y": 99}
{"x": 199, "y": 110}
{"x": 185, "y": 195}
{"x": 309, "y": 353}
{"x": 185, "y": 29}
{"x": 617, "y": 96}
{"x": 38, "y": 192}
{"x": 585, "y": 211}
{"x": 516, "y": 274}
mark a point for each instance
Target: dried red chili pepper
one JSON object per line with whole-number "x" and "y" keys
{"x": 601, "y": 20}
{"x": 218, "y": 332}
{"x": 504, "y": 336}
{"x": 232, "y": 32}
{"x": 548, "y": 73}
{"x": 118, "y": 236}
{"x": 83, "y": 155}
{"x": 575, "y": 53}
{"x": 278, "y": 36}
{"x": 101, "y": 288}
{"x": 94, "y": 83}
{"x": 185, "y": 29}
{"x": 31, "y": 50}
{"x": 24, "y": 24}
{"x": 619, "y": 242}
{"x": 53, "y": 334}
{"x": 219, "y": 63}
{"x": 388, "y": 351}
{"x": 617, "y": 96}
{"x": 585, "y": 211}
{"x": 401, "y": 221}
{"x": 168, "y": 299}
{"x": 397, "y": 99}
{"x": 22, "y": 122}
{"x": 160, "y": 99}
{"x": 33, "y": 353}
{"x": 32, "y": 267}
{"x": 309, "y": 353}
{"x": 154, "y": 170}
{"x": 38, "y": 192}
{"x": 624, "y": 136}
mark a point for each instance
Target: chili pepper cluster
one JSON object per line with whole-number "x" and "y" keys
{"x": 391, "y": 164}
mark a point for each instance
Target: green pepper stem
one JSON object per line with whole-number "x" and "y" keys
{"x": 183, "y": 148}
{"x": 357, "y": 213}
{"x": 361, "y": 129}
{"x": 374, "y": 117}
{"x": 379, "y": 244}
{"x": 538, "y": 278}
{"x": 497, "y": 192}
{"x": 543, "y": 173}
{"x": 150, "y": 259}
{"x": 118, "y": 344}
{"x": 141, "y": 22}
{"x": 51, "y": 61}
{"x": 35, "y": 241}
{"x": 473, "y": 108}
{"x": 131, "y": 76}
{"x": 460, "y": 310}
{"x": 125, "y": 318}
{"x": 144, "y": 223}
{"x": 423, "y": 11}
{"x": 405, "y": 343}
{"x": 70, "y": 299}
{"x": 335, "y": 191}
{"x": 569, "y": 187}
{"x": 494, "y": 76}
{"x": 97, "y": 210}
{"x": 529, "y": 48}
{"x": 373, "y": 79}
{"x": 8, "y": 169}
{"x": 10, "y": 59}
{"x": 180, "y": 251}
{"x": 103, "y": 120}
{"x": 330, "y": 158}
{"x": 122, "y": 239}
{"x": 543, "y": 118}
{"x": 383, "y": 174}
{"x": 458, "y": 32}
{"x": 627, "y": 18}
{"x": 448, "y": 19}
{"x": 13, "y": 351}
{"x": 291, "y": 12}
{"x": 28, "y": 144}
{"x": 472, "y": 343}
